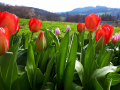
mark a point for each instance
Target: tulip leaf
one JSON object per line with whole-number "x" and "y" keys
{"x": 82, "y": 57}
{"x": 24, "y": 82}
{"x": 30, "y": 65}
{"x": 4, "y": 64}
{"x": 48, "y": 70}
{"x": 96, "y": 85}
{"x": 62, "y": 57}
{"x": 12, "y": 68}
{"x": 22, "y": 57}
{"x": 39, "y": 77}
{"x": 25, "y": 43}
{"x": 103, "y": 71}
{"x": 101, "y": 55}
{"x": 70, "y": 67}
{"x": 2, "y": 85}
{"x": 44, "y": 60}
{"x": 107, "y": 59}
{"x": 89, "y": 61}
{"x": 21, "y": 69}
{"x": 16, "y": 85}
{"x": 76, "y": 87}
{"x": 47, "y": 37}
{"x": 115, "y": 78}
{"x": 80, "y": 70}
{"x": 11, "y": 49}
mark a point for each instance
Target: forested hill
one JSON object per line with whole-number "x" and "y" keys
{"x": 96, "y": 10}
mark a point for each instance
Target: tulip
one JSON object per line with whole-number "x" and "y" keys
{"x": 34, "y": 25}
{"x": 57, "y": 31}
{"x": 115, "y": 38}
{"x": 4, "y": 40}
{"x": 106, "y": 31}
{"x": 91, "y": 22}
{"x": 67, "y": 28}
{"x": 80, "y": 27}
{"x": 10, "y": 21}
{"x": 116, "y": 34}
{"x": 40, "y": 42}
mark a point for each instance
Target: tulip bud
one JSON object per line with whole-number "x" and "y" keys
{"x": 57, "y": 31}
{"x": 4, "y": 39}
{"x": 40, "y": 42}
{"x": 67, "y": 28}
{"x": 34, "y": 25}
{"x": 80, "y": 27}
{"x": 115, "y": 39}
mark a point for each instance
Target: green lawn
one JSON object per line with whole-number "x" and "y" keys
{"x": 47, "y": 24}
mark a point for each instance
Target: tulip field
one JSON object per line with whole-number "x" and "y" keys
{"x": 54, "y": 24}
{"x": 48, "y": 55}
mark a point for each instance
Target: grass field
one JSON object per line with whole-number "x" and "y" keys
{"x": 47, "y": 24}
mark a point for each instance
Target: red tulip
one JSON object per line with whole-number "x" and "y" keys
{"x": 34, "y": 25}
{"x": 106, "y": 31}
{"x": 4, "y": 40}
{"x": 80, "y": 27}
{"x": 92, "y": 21}
{"x": 10, "y": 21}
{"x": 40, "y": 42}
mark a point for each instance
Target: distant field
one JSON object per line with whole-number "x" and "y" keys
{"x": 47, "y": 24}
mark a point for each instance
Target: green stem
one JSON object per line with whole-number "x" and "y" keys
{"x": 31, "y": 37}
{"x": 35, "y": 71}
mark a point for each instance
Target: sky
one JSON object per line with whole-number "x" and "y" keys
{"x": 62, "y": 5}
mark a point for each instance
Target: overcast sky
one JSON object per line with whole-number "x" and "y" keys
{"x": 62, "y": 5}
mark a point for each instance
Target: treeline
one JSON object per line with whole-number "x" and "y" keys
{"x": 81, "y": 18}
{"x": 108, "y": 17}
{"x": 20, "y": 11}
{"x": 29, "y": 12}
{"x": 75, "y": 18}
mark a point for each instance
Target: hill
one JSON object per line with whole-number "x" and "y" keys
{"x": 96, "y": 10}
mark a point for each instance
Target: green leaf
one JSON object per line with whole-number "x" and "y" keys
{"x": 48, "y": 37}
{"x": 16, "y": 85}
{"x": 96, "y": 85}
{"x": 89, "y": 61}
{"x": 82, "y": 57}
{"x": 21, "y": 69}
{"x": 2, "y": 85}
{"x": 48, "y": 70}
{"x": 109, "y": 84}
{"x": 101, "y": 55}
{"x": 107, "y": 59}
{"x": 62, "y": 57}
{"x": 24, "y": 82}
{"x": 76, "y": 87}
{"x": 70, "y": 67}
{"x": 44, "y": 60}
{"x": 4, "y": 64}
{"x": 49, "y": 86}
{"x": 12, "y": 48}
{"x": 103, "y": 71}
{"x": 30, "y": 64}
{"x": 115, "y": 78}
{"x": 80, "y": 70}
{"x": 12, "y": 69}
{"x": 39, "y": 77}
{"x": 25, "y": 44}
{"x": 22, "y": 57}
